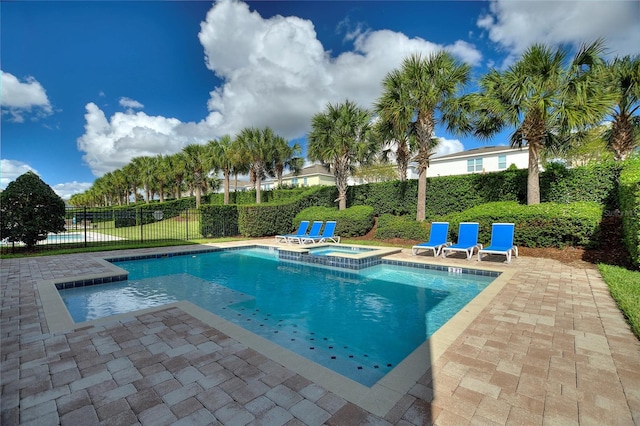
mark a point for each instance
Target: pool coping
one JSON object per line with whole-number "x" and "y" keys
{"x": 378, "y": 399}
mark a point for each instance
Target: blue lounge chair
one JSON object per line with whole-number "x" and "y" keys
{"x": 501, "y": 241}
{"x": 467, "y": 240}
{"x": 437, "y": 239}
{"x": 314, "y": 232}
{"x": 327, "y": 234}
{"x": 301, "y": 232}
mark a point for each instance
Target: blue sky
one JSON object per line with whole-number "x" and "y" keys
{"x": 88, "y": 85}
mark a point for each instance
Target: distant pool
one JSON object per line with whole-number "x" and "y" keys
{"x": 360, "y": 324}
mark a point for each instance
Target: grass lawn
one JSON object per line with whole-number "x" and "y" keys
{"x": 625, "y": 290}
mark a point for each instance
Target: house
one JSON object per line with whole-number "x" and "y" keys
{"x": 313, "y": 175}
{"x": 477, "y": 160}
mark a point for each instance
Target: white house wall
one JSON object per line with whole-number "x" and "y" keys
{"x": 458, "y": 165}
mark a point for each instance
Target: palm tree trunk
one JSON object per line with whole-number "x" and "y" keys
{"x": 422, "y": 194}
{"x": 533, "y": 177}
{"x": 226, "y": 186}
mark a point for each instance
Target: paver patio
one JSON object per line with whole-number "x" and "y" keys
{"x": 550, "y": 347}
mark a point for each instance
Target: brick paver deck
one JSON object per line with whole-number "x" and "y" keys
{"x": 550, "y": 348}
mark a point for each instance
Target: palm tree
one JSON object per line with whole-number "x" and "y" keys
{"x": 544, "y": 99}
{"x": 144, "y": 167}
{"x": 197, "y": 166}
{"x": 222, "y": 156}
{"x": 285, "y": 155}
{"x": 177, "y": 165}
{"x": 133, "y": 175}
{"x": 413, "y": 94}
{"x": 624, "y": 79}
{"x": 339, "y": 137}
{"x": 257, "y": 146}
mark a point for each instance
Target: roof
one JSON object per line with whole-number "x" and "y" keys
{"x": 479, "y": 151}
{"x": 315, "y": 169}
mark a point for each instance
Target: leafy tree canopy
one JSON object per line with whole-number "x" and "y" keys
{"x": 29, "y": 210}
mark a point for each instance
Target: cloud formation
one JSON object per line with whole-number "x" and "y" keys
{"x": 21, "y": 98}
{"x": 110, "y": 144}
{"x": 11, "y": 170}
{"x": 277, "y": 73}
{"x": 515, "y": 25}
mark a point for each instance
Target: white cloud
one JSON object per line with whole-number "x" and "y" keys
{"x": 11, "y": 170}
{"x": 448, "y": 146}
{"x": 66, "y": 190}
{"x": 515, "y": 25}
{"x": 130, "y": 104}
{"x": 277, "y": 73}
{"x": 109, "y": 144}
{"x": 21, "y": 98}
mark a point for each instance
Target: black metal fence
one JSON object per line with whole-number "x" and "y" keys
{"x": 112, "y": 227}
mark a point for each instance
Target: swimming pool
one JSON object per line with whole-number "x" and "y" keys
{"x": 359, "y": 324}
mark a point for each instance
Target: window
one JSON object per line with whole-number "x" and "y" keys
{"x": 294, "y": 182}
{"x": 305, "y": 182}
{"x": 502, "y": 162}
{"x": 474, "y": 165}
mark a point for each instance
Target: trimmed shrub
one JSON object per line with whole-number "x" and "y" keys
{"x": 351, "y": 222}
{"x": 630, "y": 207}
{"x": 259, "y": 220}
{"x": 218, "y": 221}
{"x": 404, "y": 227}
{"x": 540, "y": 225}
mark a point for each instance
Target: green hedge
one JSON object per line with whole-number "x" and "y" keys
{"x": 259, "y": 220}
{"x": 449, "y": 194}
{"x": 541, "y": 225}
{"x": 404, "y": 227}
{"x": 218, "y": 221}
{"x": 352, "y": 222}
{"x": 630, "y": 207}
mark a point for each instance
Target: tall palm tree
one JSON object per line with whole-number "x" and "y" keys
{"x": 340, "y": 136}
{"x": 413, "y": 95}
{"x": 222, "y": 156}
{"x": 198, "y": 165}
{"x": 285, "y": 156}
{"x": 177, "y": 165}
{"x": 544, "y": 99}
{"x": 257, "y": 146}
{"x": 134, "y": 179}
{"x": 624, "y": 79}
{"x": 144, "y": 166}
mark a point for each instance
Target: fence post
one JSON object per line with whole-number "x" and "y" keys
{"x": 141, "y": 229}
{"x": 84, "y": 215}
{"x": 186, "y": 223}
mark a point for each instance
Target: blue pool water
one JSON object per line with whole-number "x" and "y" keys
{"x": 360, "y": 324}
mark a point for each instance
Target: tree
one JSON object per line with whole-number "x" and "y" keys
{"x": 257, "y": 146}
{"x": 413, "y": 94}
{"x": 285, "y": 155}
{"x": 544, "y": 99}
{"x": 623, "y": 76}
{"x": 223, "y": 155}
{"x": 198, "y": 165}
{"x": 29, "y": 210}
{"x": 340, "y": 137}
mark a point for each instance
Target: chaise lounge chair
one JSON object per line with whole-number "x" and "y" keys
{"x": 467, "y": 240}
{"x": 314, "y": 232}
{"x": 437, "y": 239}
{"x": 327, "y": 234}
{"x": 501, "y": 241}
{"x": 301, "y": 232}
